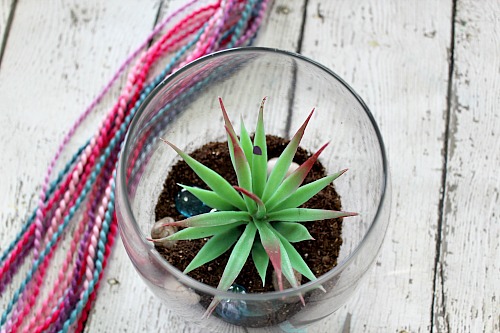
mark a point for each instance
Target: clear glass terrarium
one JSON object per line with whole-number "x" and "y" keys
{"x": 184, "y": 109}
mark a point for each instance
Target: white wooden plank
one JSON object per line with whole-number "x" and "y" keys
{"x": 5, "y": 8}
{"x": 467, "y": 299}
{"x": 130, "y": 305}
{"x": 394, "y": 54}
{"x": 59, "y": 56}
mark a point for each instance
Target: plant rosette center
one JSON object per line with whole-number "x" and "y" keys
{"x": 261, "y": 216}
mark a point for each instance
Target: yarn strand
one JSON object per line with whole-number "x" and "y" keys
{"x": 83, "y": 192}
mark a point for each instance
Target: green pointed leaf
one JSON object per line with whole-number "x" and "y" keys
{"x": 306, "y": 215}
{"x": 272, "y": 246}
{"x": 295, "y": 258}
{"x": 213, "y": 248}
{"x": 283, "y": 163}
{"x": 261, "y": 208}
{"x": 292, "y": 182}
{"x": 246, "y": 143}
{"x": 288, "y": 270}
{"x": 230, "y": 128}
{"x": 306, "y": 192}
{"x": 242, "y": 171}
{"x": 202, "y": 232}
{"x": 237, "y": 259}
{"x": 259, "y": 160}
{"x": 215, "y": 181}
{"x": 213, "y": 219}
{"x": 209, "y": 198}
{"x": 286, "y": 267}
{"x": 261, "y": 260}
{"x": 293, "y": 232}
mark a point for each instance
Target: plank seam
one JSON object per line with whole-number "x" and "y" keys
{"x": 302, "y": 27}
{"x": 157, "y": 19}
{"x": 8, "y": 25}
{"x": 438, "y": 267}
{"x": 291, "y": 95}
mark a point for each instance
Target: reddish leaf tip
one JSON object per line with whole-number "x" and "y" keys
{"x": 164, "y": 140}
{"x": 170, "y": 144}
{"x": 323, "y": 147}
{"x": 231, "y": 135}
{"x": 249, "y": 194}
{"x": 309, "y": 116}
{"x": 347, "y": 214}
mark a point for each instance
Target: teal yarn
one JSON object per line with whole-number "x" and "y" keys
{"x": 50, "y": 191}
{"x": 111, "y": 205}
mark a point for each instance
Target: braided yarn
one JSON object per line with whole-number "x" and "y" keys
{"x": 82, "y": 195}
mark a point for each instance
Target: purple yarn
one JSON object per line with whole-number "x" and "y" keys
{"x": 73, "y": 293}
{"x": 219, "y": 26}
{"x": 7, "y": 278}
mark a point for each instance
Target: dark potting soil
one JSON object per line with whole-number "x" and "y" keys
{"x": 320, "y": 254}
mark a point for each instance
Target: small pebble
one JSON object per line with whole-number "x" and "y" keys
{"x": 272, "y": 162}
{"x": 232, "y": 311}
{"x": 159, "y": 231}
{"x": 189, "y": 205}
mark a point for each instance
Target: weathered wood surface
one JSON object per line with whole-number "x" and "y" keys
{"x": 395, "y": 55}
{"x": 438, "y": 270}
{"x": 468, "y": 276}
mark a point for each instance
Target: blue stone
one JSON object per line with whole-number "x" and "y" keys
{"x": 189, "y": 205}
{"x": 236, "y": 288}
{"x": 234, "y": 310}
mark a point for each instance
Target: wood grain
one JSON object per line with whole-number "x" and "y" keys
{"x": 6, "y": 9}
{"x": 394, "y": 55}
{"x": 468, "y": 280}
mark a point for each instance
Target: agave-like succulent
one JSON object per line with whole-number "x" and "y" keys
{"x": 260, "y": 216}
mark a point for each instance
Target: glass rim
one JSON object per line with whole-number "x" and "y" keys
{"x": 271, "y": 295}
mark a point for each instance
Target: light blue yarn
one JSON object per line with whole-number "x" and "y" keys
{"x": 239, "y": 25}
{"x": 60, "y": 229}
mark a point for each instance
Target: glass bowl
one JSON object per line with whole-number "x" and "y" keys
{"x": 184, "y": 108}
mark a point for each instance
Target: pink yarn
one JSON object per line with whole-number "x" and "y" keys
{"x": 104, "y": 129}
{"x": 51, "y": 215}
{"x": 40, "y": 213}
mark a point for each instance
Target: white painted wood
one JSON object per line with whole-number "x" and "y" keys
{"x": 5, "y": 7}
{"x": 468, "y": 280}
{"x": 394, "y": 55}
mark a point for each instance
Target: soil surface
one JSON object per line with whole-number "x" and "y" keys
{"x": 320, "y": 254}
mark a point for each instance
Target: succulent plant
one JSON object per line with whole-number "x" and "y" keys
{"x": 261, "y": 215}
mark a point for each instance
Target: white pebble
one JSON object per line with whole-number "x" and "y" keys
{"x": 272, "y": 162}
{"x": 159, "y": 231}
